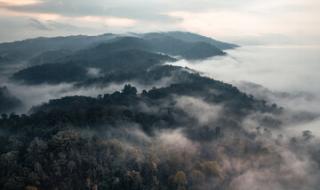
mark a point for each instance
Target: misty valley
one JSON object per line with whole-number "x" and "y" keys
{"x": 138, "y": 111}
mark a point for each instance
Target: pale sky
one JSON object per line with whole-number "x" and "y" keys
{"x": 241, "y": 21}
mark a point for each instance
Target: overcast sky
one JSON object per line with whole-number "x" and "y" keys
{"x": 242, "y": 21}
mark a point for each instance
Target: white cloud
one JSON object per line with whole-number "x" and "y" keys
{"x": 298, "y": 20}
{"x": 18, "y": 2}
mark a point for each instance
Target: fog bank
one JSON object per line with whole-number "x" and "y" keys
{"x": 285, "y": 75}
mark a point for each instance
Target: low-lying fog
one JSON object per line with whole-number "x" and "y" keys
{"x": 286, "y": 75}
{"x": 35, "y": 95}
{"x": 283, "y": 68}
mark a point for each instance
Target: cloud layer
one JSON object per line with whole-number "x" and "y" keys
{"x": 287, "y": 76}
{"x": 294, "y": 21}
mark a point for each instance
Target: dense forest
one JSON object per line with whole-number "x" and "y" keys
{"x": 159, "y": 139}
{"x": 115, "y": 141}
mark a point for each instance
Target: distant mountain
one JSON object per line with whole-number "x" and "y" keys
{"x": 8, "y": 102}
{"x": 201, "y": 50}
{"x": 173, "y": 43}
{"x": 166, "y": 45}
{"x": 27, "y": 49}
{"x": 102, "y": 51}
{"x": 191, "y": 37}
{"x": 187, "y": 50}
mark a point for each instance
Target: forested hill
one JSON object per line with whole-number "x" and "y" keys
{"x": 161, "y": 138}
{"x": 113, "y": 141}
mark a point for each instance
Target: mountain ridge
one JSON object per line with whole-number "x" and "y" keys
{"x": 25, "y": 50}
